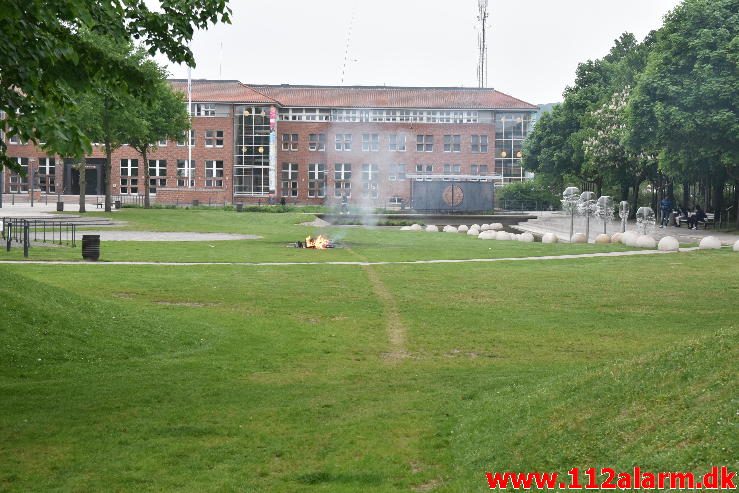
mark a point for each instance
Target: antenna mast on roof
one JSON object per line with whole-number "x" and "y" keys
{"x": 348, "y": 43}
{"x": 482, "y": 43}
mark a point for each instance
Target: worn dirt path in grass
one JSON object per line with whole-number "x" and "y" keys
{"x": 396, "y": 329}
{"x": 359, "y": 263}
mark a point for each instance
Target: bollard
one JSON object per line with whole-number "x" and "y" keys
{"x": 26, "y": 239}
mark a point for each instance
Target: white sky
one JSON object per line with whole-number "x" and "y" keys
{"x": 534, "y": 48}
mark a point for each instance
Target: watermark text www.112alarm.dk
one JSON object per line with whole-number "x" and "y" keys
{"x": 606, "y": 478}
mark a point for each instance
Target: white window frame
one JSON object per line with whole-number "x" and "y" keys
{"x": 214, "y": 173}
{"x": 343, "y": 142}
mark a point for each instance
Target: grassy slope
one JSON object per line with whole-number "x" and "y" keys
{"x": 668, "y": 410}
{"x": 259, "y": 379}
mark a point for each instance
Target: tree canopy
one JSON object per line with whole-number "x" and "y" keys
{"x": 52, "y": 52}
{"x": 663, "y": 109}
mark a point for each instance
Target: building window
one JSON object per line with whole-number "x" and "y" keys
{"x": 213, "y": 174}
{"x": 479, "y": 143}
{"x": 183, "y": 172}
{"x": 289, "y": 142}
{"x": 47, "y": 174}
{"x": 452, "y": 143}
{"x": 129, "y": 176}
{"x": 214, "y": 138}
{"x": 162, "y": 143}
{"x": 204, "y": 109}
{"x": 183, "y": 140}
{"x": 343, "y": 142}
{"x": 157, "y": 174}
{"x": 424, "y": 143}
{"x": 317, "y": 142}
{"x": 14, "y": 139}
{"x": 425, "y": 170}
{"x": 370, "y": 178}
{"x": 371, "y": 142}
{"x": 342, "y": 179}
{"x": 396, "y": 143}
{"x": 397, "y": 172}
{"x": 316, "y": 180}
{"x": 479, "y": 170}
{"x": 452, "y": 169}
{"x": 18, "y": 184}
{"x": 289, "y": 179}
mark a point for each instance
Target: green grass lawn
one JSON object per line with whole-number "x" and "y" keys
{"x": 277, "y": 231}
{"x": 350, "y": 378}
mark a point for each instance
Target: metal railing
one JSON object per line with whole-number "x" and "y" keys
{"x": 20, "y": 231}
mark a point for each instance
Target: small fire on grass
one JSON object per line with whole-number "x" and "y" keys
{"x": 320, "y": 242}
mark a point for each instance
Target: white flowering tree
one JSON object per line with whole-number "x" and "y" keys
{"x": 606, "y": 153}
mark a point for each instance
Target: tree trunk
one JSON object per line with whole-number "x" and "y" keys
{"x": 147, "y": 197}
{"x": 686, "y": 195}
{"x": 635, "y": 203}
{"x": 718, "y": 194}
{"x": 108, "y": 155}
{"x": 624, "y": 191}
{"x": 83, "y": 183}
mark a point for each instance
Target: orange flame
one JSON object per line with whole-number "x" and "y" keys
{"x": 320, "y": 242}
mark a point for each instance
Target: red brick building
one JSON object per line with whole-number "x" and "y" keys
{"x": 309, "y": 144}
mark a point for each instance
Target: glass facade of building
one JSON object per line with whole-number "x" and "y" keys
{"x": 252, "y": 150}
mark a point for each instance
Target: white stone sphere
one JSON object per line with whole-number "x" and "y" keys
{"x": 485, "y": 227}
{"x": 496, "y": 226}
{"x": 646, "y": 241}
{"x": 416, "y": 227}
{"x": 579, "y": 238}
{"x": 526, "y": 237}
{"x": 473, "y": 232}
{"x": 603, "y": 239}
{"x": 475, "y": 226}
{"x": 502, "y": 235}
{"x": 736, "y": 246}
{"x": 463, "y": 228}
{"x": 616, "y": 237}
{"x": 668, "y": 244}
{"x": 405, "y": 228}
{"x": 450, "y": 229}
{"x": 487, "y": 235}
{"x": 710, "y": 243}
{"x": 549, "y": 238}
{"x": 629, "y": 238}
{"x": 432, "y": 228}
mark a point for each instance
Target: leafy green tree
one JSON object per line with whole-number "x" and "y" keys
{"x": 161, "y": 116}
{"x": 531, "y": 191}
{"x": 47, "y": 58}
{"x": 685, "y": 103}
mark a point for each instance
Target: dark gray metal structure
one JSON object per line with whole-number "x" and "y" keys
{"x": 452, "y": 196}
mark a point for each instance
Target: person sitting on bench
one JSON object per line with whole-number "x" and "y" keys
{"x": 699, "y": 216}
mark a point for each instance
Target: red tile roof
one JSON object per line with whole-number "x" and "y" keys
{"x": 220, "y": 91}
{"x": 392, "y": 97}
{"x": 351, "y": 96}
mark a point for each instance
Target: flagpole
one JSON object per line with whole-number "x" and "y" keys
{"x": 189, "y": 132}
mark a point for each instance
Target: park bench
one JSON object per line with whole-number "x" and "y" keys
{"x": 709, "y": 220}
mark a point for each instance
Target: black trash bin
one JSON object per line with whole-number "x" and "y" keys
{"x": 195, "y": 202}
{"x": 239, "y": 207}
{"x": 91, "y": 247}
{"x": 60, "y": 206}
{"x": 117, "y": 204}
